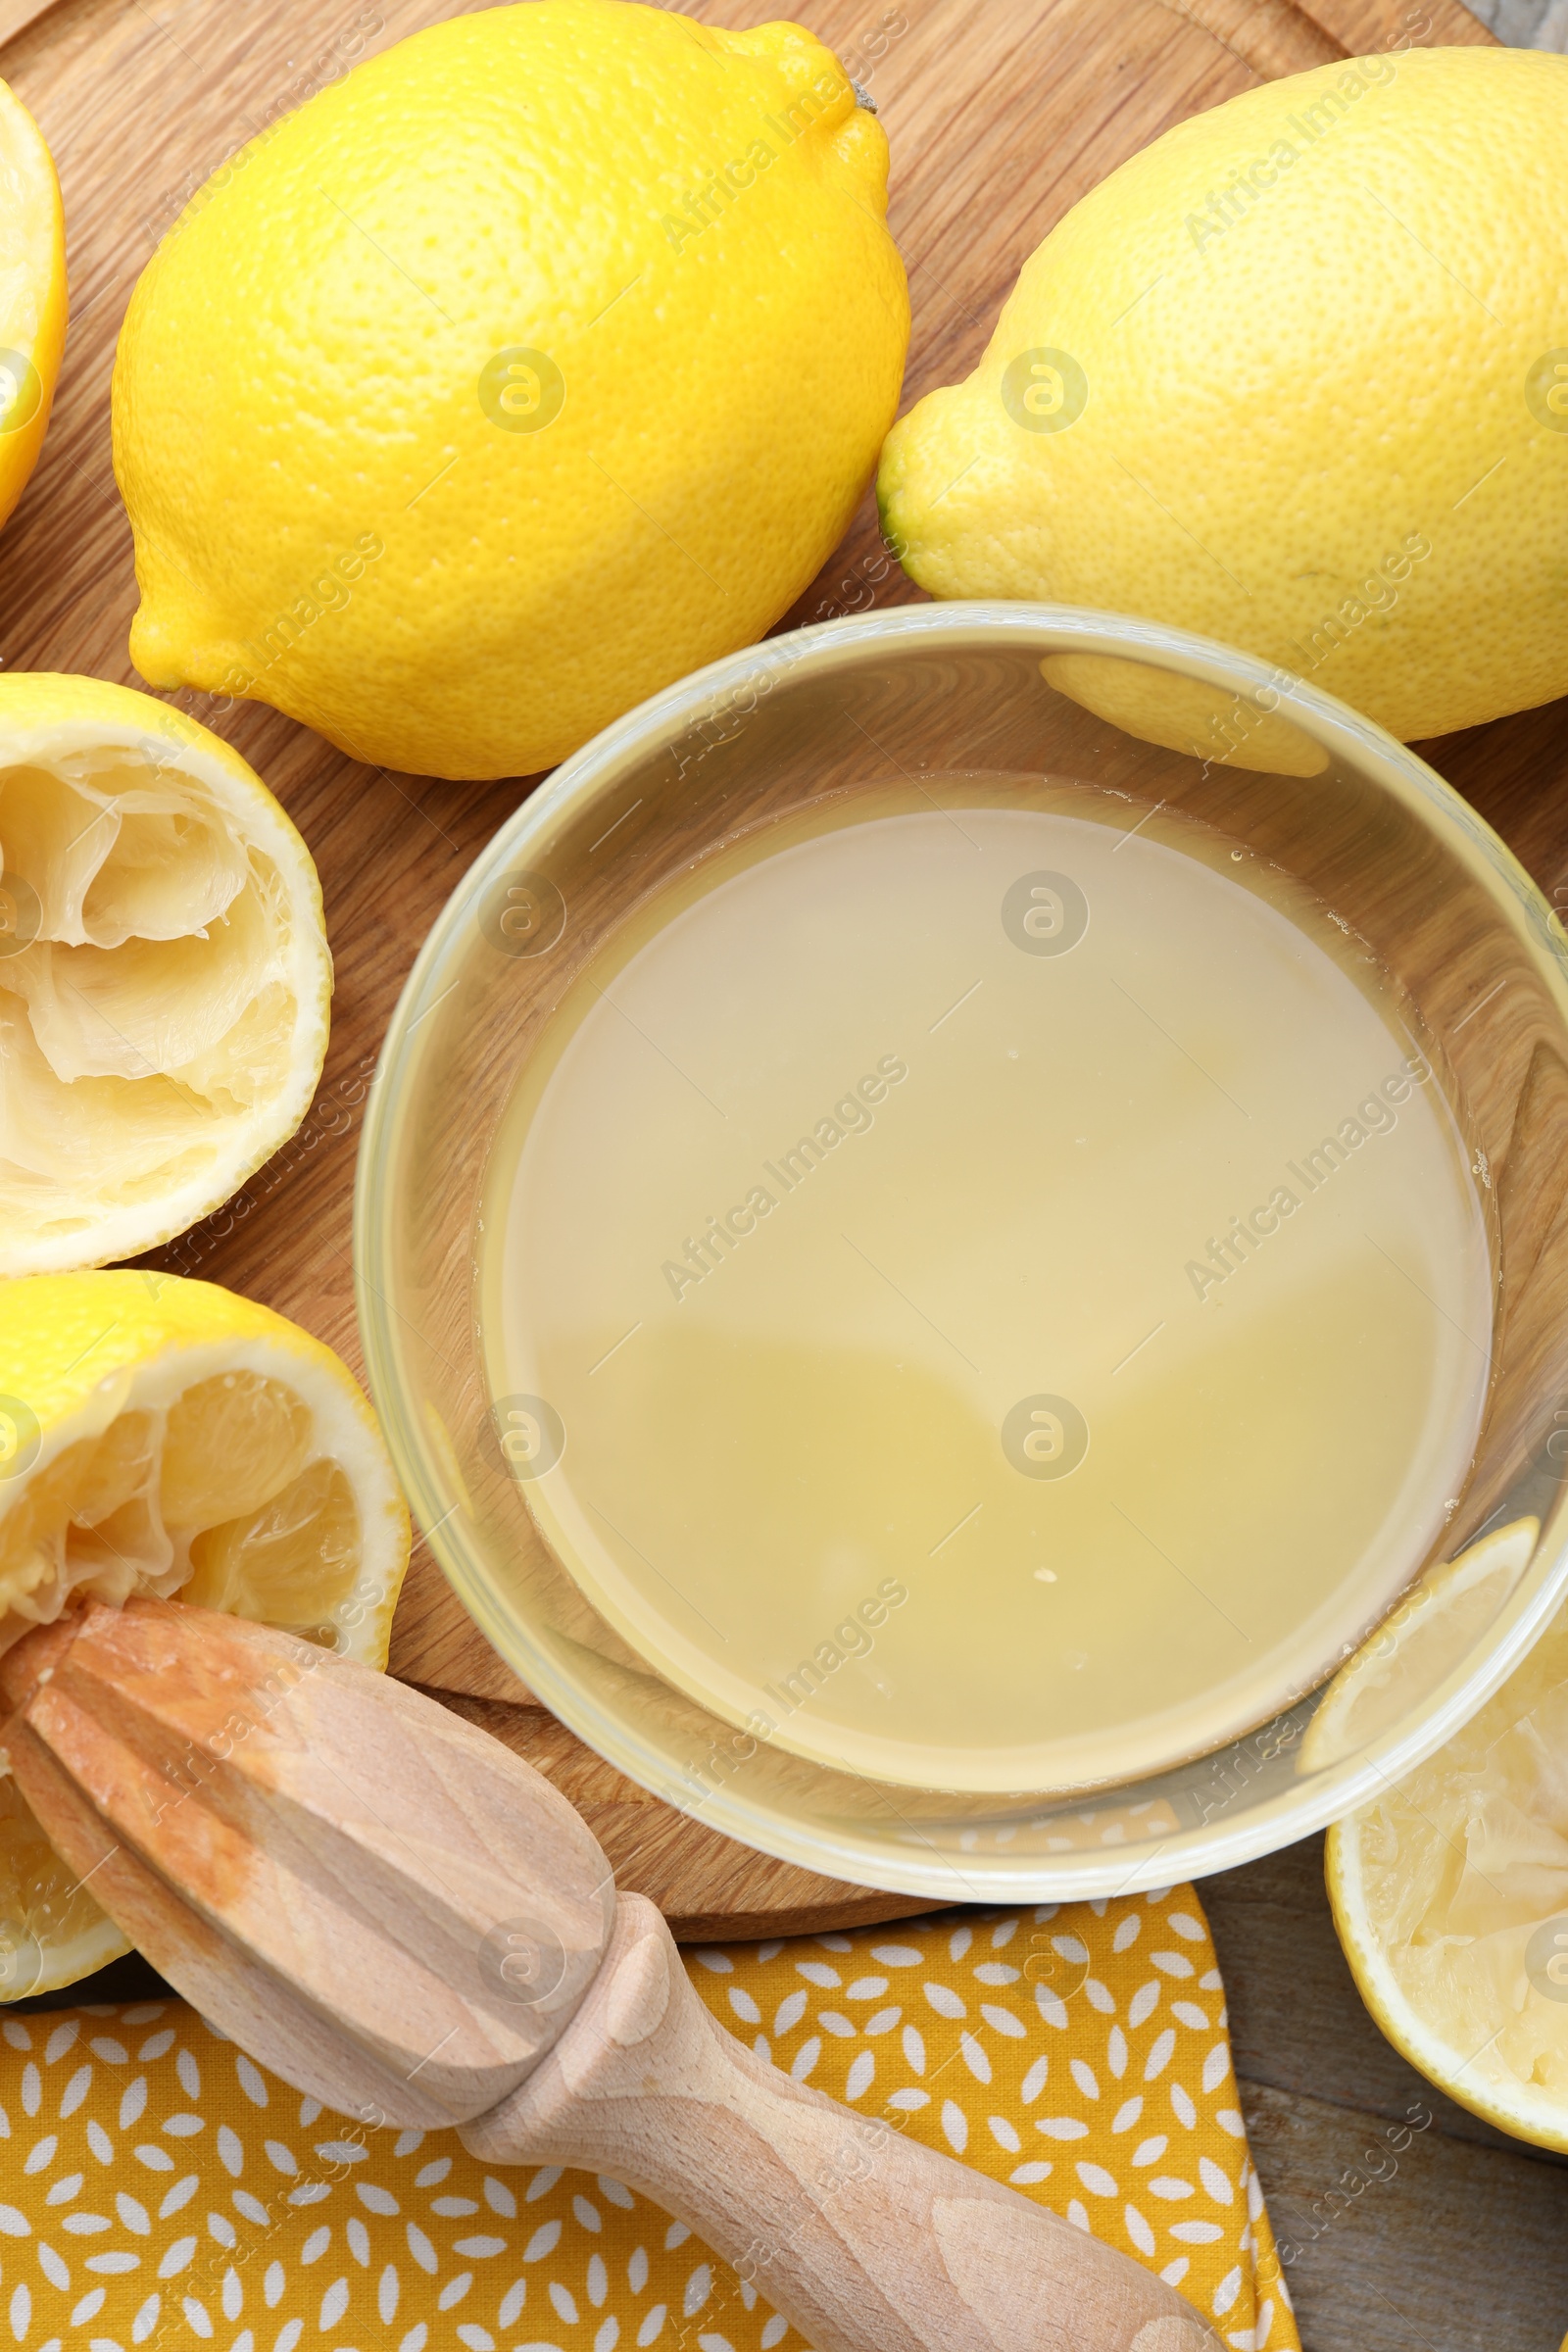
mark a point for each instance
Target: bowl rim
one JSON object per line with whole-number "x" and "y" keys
{"x": 1255, "y": 1829}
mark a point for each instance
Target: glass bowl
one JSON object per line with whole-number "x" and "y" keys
{"x": 988, "y": 704}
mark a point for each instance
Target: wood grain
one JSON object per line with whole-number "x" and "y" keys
{"x": 15, "y": 14}
{"x": 1442, "y": 2254}
{"x": 1407, "y": 2236}
{"x": 998, "y": 120}
{"x": 671, "y": 1857}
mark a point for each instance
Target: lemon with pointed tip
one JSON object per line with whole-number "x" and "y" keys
{"x": 535, "y": 363}
{"x": 1295, "y": 377}
{"x": 166, "y": 1438}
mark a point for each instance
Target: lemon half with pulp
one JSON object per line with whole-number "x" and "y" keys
{"x": 1450, "y": 1888}
{"x": 164, "y": 980}
{"x": 164, "y": 1436}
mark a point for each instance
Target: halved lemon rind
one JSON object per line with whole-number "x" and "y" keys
{"x": 52, "y": 1933}
{"x": 164, "y": 979}
{"x": 164, "y": 1436}
{"x": 1430, "y": 1632}
{"x": 33, "y": 294}
{"x": 1449, "y": 1891}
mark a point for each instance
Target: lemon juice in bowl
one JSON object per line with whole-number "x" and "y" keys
{"x": 984, "y": 1285}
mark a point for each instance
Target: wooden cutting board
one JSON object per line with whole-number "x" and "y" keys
{"x": 1000, "y": 116}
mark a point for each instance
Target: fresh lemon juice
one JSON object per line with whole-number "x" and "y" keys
{"x": 984, "y": 1288}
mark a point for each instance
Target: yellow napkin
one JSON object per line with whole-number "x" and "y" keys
{"x": 158, "y": 2189}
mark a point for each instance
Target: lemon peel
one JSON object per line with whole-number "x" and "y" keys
{"x": 164, "y": 1437}
{"x": 1450, "y": 1891}
{"x": 538, "y": 362}
{"x": 1293, "y": 377}
{"x": 33, "y": 294}
{"x": 164, "y": 979}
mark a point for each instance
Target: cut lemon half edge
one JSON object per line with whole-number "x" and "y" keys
{"x": 164, "y": 980}
{"x": 1432, "y": 1632}
{"x": 1450, "y": 1888}
{"x": 164, "y": 1436}
{"x": 33, "y": 294}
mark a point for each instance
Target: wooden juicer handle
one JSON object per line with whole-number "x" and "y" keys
{"x": 868, "y": 2242}
{"x": 406, "y": 1922}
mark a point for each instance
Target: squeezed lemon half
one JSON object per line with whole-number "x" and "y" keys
{"x": 164, "y": 979}
{"x": 1450, "y": 1889}
{"x": 164, "y": 1436}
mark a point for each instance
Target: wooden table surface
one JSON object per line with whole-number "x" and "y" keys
{"x": 1457, "y": 2244}
{"x": 1000, "y": 115}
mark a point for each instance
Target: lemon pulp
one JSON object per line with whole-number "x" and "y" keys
{"x": 222, "y": 1500}
{"x": 164, "y": 973}
{"x": 164, "y": 1437}
{"x": 1450, "y": 1892}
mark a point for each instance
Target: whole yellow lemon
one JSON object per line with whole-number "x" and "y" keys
{"x": 538, "y": 362}
{"x": 1295, "y": 377}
